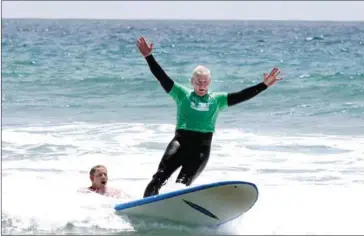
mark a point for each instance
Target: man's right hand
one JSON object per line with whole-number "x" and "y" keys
{"x": 144, "y": 48}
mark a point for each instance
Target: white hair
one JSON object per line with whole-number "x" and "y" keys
{"x": 201, "y": 70}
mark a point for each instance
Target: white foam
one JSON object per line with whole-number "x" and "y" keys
{"x": 306, "y": 210}
{"x": 302, "y": 190}
{"x": 51, "y": 201}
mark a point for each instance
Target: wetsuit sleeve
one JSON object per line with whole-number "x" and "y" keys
{"x": 165, "y": 81}
{"x": 245, "y": 94}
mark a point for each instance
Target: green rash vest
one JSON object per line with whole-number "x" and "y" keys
{"x": 197, "y": 113}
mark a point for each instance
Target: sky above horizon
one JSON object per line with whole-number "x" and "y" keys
{"x": 253, "y": 10}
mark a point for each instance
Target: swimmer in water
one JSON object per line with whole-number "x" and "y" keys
{"x": 197, "y": 112}
{"x": 99, "y": 178}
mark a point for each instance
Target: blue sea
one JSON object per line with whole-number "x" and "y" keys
{"x": 76, "y": 93}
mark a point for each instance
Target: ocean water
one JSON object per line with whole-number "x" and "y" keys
{"x": 76, "y": 93}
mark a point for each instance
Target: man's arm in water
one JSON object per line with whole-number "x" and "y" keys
{"x": 165, "y": 81}
{"x": 245, "y": 94}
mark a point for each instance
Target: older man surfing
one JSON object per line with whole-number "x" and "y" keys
{"x": 197, "y": 112}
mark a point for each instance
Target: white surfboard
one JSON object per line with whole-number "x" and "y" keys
{"x": 209, "y": 204}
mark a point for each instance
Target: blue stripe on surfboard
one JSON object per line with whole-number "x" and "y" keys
{"x": 164, "y": 196}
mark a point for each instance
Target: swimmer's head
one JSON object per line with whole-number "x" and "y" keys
{"x": 98, "y": 176}
{"x": 201, "y": 78}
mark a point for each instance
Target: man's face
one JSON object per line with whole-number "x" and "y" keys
{"x": 201, "y": 84}
{"x": 99, "y": 179}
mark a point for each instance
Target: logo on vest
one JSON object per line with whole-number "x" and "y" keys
{"x": 200, "y": 106}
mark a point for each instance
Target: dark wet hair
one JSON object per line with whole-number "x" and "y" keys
{"x": 93, "y": 169}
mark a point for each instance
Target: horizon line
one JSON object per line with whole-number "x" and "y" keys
{"x": 174, "y": 19}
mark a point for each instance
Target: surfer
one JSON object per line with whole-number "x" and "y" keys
{"x": 99, "y": 179}
{"x": 197, "y": 111}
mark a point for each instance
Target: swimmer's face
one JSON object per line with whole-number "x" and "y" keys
{"x": 201, "y": 84}
{"x": 99, "y": 179}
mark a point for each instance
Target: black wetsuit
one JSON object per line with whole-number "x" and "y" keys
{"x": 189, "y": 149}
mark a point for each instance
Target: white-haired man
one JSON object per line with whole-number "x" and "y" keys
{"x": 197, "y": 111}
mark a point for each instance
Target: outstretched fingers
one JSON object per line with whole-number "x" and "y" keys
{"x": 143, "y": 46}
{"x": 274, "y": 72}
{"x": 139, "y": 43}
{"x": 142, "y": 43}
{"x": 146, "y": 43}
{"x": 272, "y": 77}
{"x": 277, "y": 73}
{"x": 271, "y": 72}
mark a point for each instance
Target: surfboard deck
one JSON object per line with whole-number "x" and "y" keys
{"x": 208, "y": 204}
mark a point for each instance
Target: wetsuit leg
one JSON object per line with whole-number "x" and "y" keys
{"x": 194, "y": 164}
{"x": 170, "y": 162}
